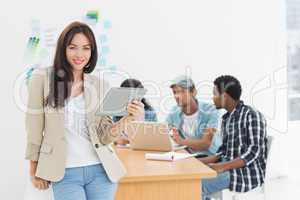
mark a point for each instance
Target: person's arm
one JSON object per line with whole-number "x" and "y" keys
{"x": 200, "y": 144}
{"x": 256, "y": 126}
{"x": 109, "y": 132}
{"x": 169, "y": 121}
{"x": 224, "y": 166}
{"x": 255, "y": 136}
{"x": 34, "y": 117}
{"x": 32, "y": 167}
{"x": 210, "y": 159}
{"x": 205, "y": 141}
{"x": 122, "y": 139}
{"x": 214, "y": 158}
{"x": 34, "y": 122}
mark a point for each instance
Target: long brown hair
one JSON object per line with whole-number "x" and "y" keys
{"x": 62, "y": 75}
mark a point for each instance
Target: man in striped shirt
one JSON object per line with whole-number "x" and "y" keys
{"x": 241, "y": 159}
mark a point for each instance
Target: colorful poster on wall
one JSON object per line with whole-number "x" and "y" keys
{"x": 41, "y": 44}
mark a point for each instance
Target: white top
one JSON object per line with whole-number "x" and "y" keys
{"x": 190, "y": 123}
{"x": 80, "y": 151}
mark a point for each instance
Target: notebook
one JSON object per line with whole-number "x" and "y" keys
{"x": 169, "y": 156}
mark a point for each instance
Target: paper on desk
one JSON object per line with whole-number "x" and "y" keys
{"x": 170, "y": 156}
{"x": 125, "y": 146}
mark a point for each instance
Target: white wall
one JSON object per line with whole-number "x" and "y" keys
{"x": 155, "y": 41}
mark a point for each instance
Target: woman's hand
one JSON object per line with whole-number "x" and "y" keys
{"x": 136, "y": 110}
{"x": 39, "y": 183}
{"x": 122, "y": 141}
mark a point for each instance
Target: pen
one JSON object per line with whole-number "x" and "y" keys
{"x": 172, "y": 157}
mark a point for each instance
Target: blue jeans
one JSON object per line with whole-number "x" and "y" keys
{"x": 84, "y": 183}
{"x": 217, "y": 184}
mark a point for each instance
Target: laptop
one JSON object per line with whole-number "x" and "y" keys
{"x": 153, "y": 136}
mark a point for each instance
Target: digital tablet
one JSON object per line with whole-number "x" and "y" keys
{"x": 116, "y": 100}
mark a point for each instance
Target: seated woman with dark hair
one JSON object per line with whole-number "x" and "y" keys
{"x": 150, "y": 114}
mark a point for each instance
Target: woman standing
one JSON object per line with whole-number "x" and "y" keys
{"x": 68, "y": 145}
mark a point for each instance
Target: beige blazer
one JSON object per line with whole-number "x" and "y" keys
{"x": 46, "y": 141}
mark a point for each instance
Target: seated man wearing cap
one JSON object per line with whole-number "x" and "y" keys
{"x": 194, "y": 123}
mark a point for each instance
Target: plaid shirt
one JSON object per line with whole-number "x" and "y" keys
{"x": 244, "y": 136}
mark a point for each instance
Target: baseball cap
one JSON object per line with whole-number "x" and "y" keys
{"x": 183, "y": 81}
